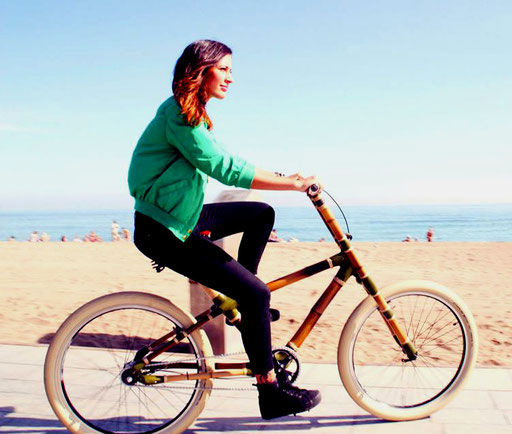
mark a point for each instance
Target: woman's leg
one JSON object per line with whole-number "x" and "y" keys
{"x": 254, "y": 219}
{"x": 200, "y": 259}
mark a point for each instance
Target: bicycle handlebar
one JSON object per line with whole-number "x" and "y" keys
{"x": 313, "y": 190}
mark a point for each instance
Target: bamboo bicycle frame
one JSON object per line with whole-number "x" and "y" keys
{"x": 348, "y": 264}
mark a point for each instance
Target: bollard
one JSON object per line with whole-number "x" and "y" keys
{"x": 224, "y": 339}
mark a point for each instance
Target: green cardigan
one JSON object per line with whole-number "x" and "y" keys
{"x": 170, "y": 165}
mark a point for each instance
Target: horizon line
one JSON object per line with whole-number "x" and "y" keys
{"x": 101, "y": 209}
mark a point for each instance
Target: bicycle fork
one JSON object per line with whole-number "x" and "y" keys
{"x": 354, "y": 267}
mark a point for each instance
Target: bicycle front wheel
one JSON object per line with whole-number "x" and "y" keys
{"x": 372, "y": 365}
{"x": 86, "y": 358}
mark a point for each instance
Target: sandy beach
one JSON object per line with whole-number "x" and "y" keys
{"x": 42, "y": 283}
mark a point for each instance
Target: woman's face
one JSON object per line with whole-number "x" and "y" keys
{"x": 218, "y": 78}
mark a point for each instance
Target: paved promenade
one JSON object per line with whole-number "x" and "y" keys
{"x": 485, "y": 406}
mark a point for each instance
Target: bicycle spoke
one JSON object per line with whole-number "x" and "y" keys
{"x": 438, "y": 335}
{"x": 420, "y": 331}
{"x": 430, "y": 328}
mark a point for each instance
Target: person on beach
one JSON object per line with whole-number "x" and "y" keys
{"x": 430, "y": 235}
{"x": 93, "y": 237}
{"x": 114, "y": 230}
{"x": 126, "y": 234}
{"x": 167, "y": 177}
{"x": 274, "y": 238}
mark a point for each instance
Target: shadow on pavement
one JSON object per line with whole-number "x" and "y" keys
{"x": 289, "y": 423}
{"x": 30, "y": 424}
{"x": 238, "y": 424}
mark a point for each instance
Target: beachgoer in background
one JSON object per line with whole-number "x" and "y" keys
{"x": 77, "y": 239}
{"x": 34, "y": 237}
{"x": 274, "y": 238}
{"x": 11, "y": 238}
{"x": 167, "y": 177}
{"x": 430, "y": 235}
{"x": 114, "y": 228}
{"x": 44, "y": 237}
{"x": 93, "y": 237}
{"x": 293, "y": 240}
{"x": 321, "y": 240}
{"x": 63, "y": 238}
{"x": 407, "y": 239}
{"x": 126, "y": 234}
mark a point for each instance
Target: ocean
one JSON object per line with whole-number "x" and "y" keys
{"x": 485, "y": 222}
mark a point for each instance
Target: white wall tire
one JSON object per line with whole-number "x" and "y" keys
{"x": 447, "y": 343}
{"x": 62, "y": 355}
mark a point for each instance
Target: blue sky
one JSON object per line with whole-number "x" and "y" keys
{"x": 389, "y": 102}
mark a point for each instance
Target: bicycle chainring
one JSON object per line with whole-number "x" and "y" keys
{"x": 286, "y": 364}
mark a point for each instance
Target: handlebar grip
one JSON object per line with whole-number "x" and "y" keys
{"x": 313, "y": 190}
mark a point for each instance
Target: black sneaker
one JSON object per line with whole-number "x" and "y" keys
{"x": 284, "y": 399}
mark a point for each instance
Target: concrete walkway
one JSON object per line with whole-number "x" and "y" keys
{"x": 485, "y": 406}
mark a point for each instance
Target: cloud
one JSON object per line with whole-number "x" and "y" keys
{"x": 8, "y": 127}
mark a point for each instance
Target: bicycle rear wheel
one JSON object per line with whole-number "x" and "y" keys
{"x": 372, "y": 366}
{"x": 85, "y": 360}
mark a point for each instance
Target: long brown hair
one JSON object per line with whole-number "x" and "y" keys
{"x": 188, "y": 84}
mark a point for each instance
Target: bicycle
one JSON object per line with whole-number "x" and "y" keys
{"x": 106, "y": 372}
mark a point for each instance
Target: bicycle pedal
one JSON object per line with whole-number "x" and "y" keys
{"x": 274, "y": 315}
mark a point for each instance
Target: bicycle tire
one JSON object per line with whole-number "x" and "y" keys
{"x": 371, "y": 364}
{"x": 88, "y": 398}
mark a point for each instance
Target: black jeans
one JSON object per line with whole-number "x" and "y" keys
{"x": 199, "y": 259}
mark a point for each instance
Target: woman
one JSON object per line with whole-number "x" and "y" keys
{"x": 168, "y": 173}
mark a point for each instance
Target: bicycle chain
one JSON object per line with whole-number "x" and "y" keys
{"x": 163, "y": 364}
{"x": 202, "y": 358}
{"x": 238, "y": 389}
{"x": 197, "y": 387}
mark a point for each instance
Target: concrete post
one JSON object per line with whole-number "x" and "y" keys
{"x": 224, "y": 338}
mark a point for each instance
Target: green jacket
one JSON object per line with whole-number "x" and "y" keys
{"x": 170, "y": 165}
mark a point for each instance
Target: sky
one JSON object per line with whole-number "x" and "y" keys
{"x": 387, "y": 102}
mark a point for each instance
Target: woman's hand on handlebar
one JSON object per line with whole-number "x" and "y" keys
{"x": 303, "y": 184}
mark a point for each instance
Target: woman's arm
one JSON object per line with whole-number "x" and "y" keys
{"x": 264, "y": 180}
